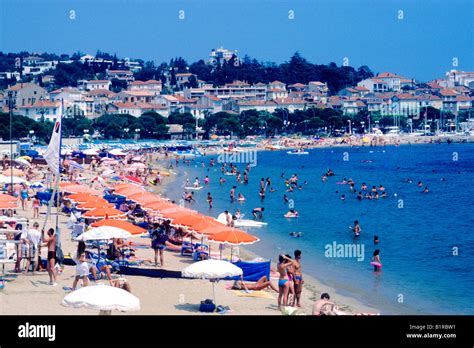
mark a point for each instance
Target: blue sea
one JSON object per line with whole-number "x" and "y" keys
{"x": 426, "y": 239}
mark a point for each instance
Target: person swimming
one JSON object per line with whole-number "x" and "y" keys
{"x": 426, "y": 190}
{"x": 420, "y": 183}
{"x": 376, "y": 239}
{"x": 291, "y": 214}
{"x": 285, "y": 199}
{"x": 296, "y": 234}
{"x": 343, "y": 197}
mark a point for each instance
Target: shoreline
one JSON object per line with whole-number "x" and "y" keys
{"x": 312, "y": 287}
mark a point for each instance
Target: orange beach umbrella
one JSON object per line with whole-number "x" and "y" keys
{"x": 103, "y": 213}
{"x": 128, "y": 191}
{"x": 233, "y": 236}
{"x": 93, "y": 204}
{"x": 8, "y": 206}
{"x": 191, "y": 219}
{"x": 7, "y": 198}
{"x": 81, "y": 197}
{"x": 124, "y": 225}
{"x": 80, "y": 188}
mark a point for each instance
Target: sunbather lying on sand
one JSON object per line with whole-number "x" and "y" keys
{"x": 261, "y": 284}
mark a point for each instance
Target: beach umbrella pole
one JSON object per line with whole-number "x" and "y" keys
{"x": 214, "y": 294}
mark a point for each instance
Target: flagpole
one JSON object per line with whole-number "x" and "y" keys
{"x": 59, "y": 173}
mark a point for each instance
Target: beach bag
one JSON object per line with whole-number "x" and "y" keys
{"x": 59, "y": 254}
{"x": 207, "y": 306}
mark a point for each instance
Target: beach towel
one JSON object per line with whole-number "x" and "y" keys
{"x": 252, "y": 271}
{"x": 147, "y": 272}
{"x": 260, "y": 294}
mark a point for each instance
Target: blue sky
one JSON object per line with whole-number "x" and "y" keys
{"x": 422, "y": 45}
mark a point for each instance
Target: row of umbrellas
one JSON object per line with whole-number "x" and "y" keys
{"x": 111, "y": 224}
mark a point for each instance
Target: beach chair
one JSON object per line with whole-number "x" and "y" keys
{"x": 188, "y": 249}
{"x": 4, "y": 259}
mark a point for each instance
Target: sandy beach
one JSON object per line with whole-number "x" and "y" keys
{"x": 31, "y": 293}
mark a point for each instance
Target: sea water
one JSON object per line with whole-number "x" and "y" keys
{"x": 426, "y": 239}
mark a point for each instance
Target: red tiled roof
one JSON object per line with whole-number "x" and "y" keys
{"x": 297, "y": 85}
{"x": 101, "y": 91}
{"x": 428, "y": 97}
{"x": 19, "y": 86}
{"x": 434, "y": 85}
{"x": 254, "y": 103}
{"x": 140, "y": 93}
{"x": 138, "y": 105}
{"x": 276, "y": 90}
{"x": 185, "y": 100}
{"x": 289, "y": 100}
{"x": 41, "y": 104}
{"x": 386, "y": 75}
{"x": 404, "y": 96}
{"x": 447, "y": 93}
{"x": 276, "y": 82}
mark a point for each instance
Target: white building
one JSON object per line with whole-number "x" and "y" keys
{"x": 122, "y": 75}
{"x": 137, "y": 109}
{"x": 97, "y": 84}
{"x": 374, "y": 85}
{"x": 49, "y": 109}
{"x": 219, "y": 55}
{"x": 460, "y": 78}
{"x": 150, "y": 85}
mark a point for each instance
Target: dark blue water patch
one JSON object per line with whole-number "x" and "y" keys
{"x": 418, "y": 231}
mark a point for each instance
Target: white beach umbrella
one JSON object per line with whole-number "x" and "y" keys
{"x": 8, "y": 179}
{"x": 91, "y": 152}
{"x": 104, "y": 232}
{"x": 22, "y": 161}
{"x": 102, "y": 297}
{"x": 212, "y": 270}
{"x": 117, "y": 152}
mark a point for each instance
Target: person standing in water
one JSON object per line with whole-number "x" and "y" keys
{"x": 209, "y": 200}
{"x": 376, "y": 261}
{"x": 356, "y": 229}
{"x": 232, "y": 193}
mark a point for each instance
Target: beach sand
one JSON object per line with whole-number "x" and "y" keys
{"x": 31, "y": 294}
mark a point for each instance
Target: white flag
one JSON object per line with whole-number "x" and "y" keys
{"x": 53, "y": 152}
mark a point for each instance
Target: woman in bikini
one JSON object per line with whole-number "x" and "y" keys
{"x": 283, "y": 281}
{"x": 261, "y": 284}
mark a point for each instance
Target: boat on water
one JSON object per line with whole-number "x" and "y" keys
{"x": 297, "y": 152}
